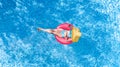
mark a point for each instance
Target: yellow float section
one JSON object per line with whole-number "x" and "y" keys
{"x": 76, "y": 34}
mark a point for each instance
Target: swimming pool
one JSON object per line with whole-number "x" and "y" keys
{"x": 21, "y": 45}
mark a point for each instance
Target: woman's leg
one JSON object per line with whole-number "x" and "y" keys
{"x": 51, "y": 31}
{"x": 46, "y": 30}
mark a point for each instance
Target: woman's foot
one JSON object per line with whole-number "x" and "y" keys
{"x": 38, "y": 29}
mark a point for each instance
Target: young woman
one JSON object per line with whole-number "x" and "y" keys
{"x": 65, "y": 33}
{"x": 60, "y": 32}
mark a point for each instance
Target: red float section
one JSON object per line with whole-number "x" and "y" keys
{"x": 63, "y": 40}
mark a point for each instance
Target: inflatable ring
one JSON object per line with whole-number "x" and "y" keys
{"x": 75, "y": 34}
{"x": 63, "y": 40}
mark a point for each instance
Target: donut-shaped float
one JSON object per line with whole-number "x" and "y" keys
{"x": 64, "y": 40}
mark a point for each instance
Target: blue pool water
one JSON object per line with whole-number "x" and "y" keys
{"x": 21, "y": 45}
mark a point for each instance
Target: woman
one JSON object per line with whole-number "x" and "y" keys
{"x": 65, "y": 33}
{"x": 60, "y": 32}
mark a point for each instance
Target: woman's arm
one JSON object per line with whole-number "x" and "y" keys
{"x": 65, "y": 26}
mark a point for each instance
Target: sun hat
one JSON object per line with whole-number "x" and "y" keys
{"x": 76, "y": 34}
